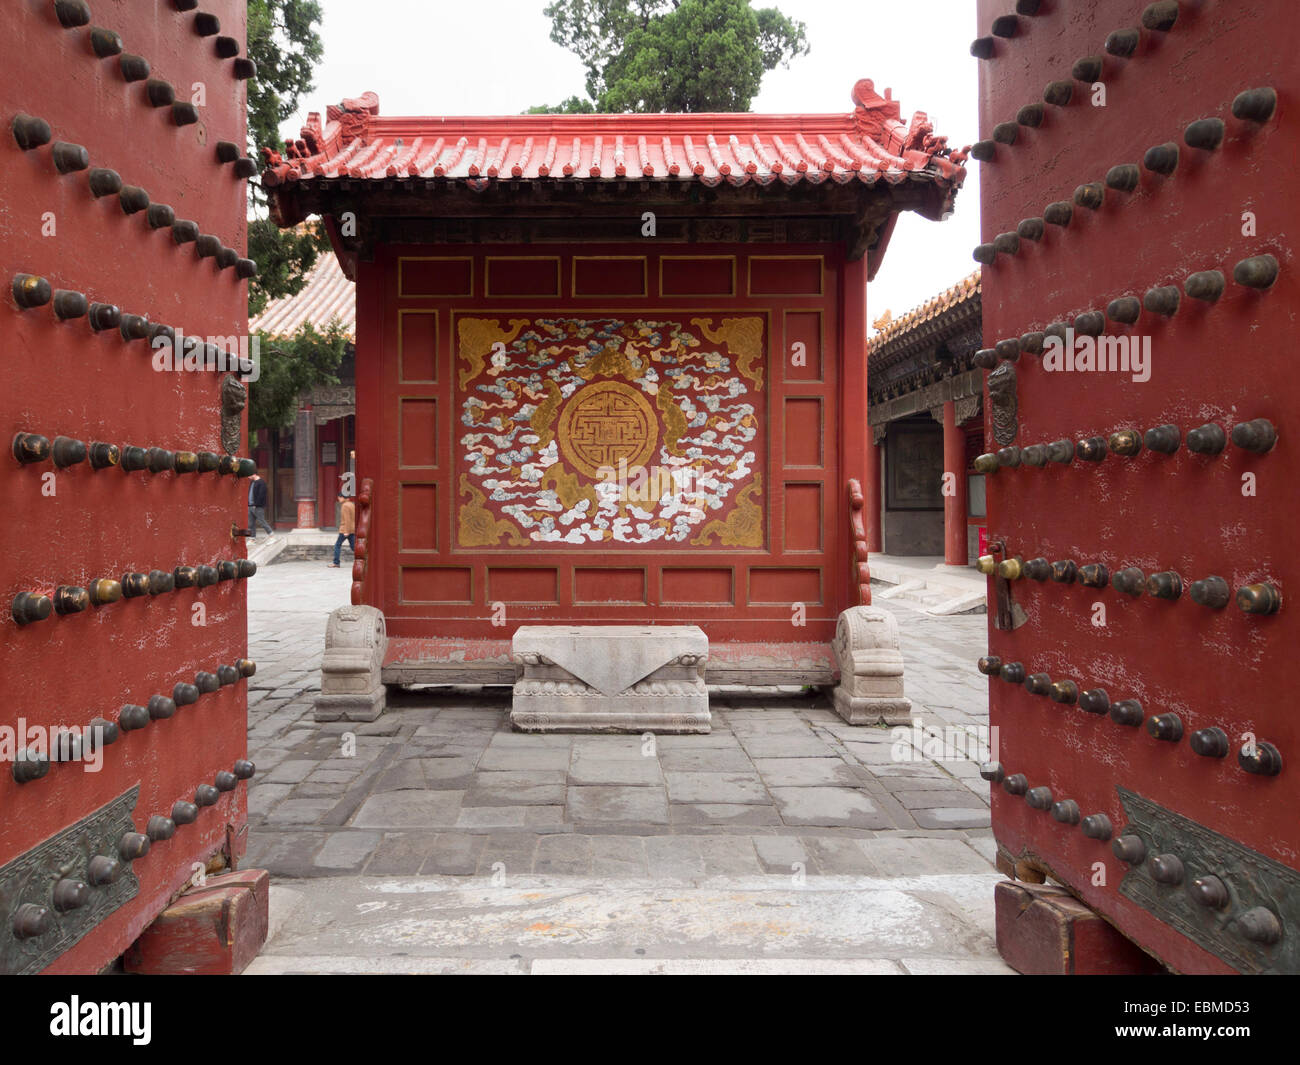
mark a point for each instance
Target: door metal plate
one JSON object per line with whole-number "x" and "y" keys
{"x": 30, "y": 878}
{"x": 1252, "y": 880}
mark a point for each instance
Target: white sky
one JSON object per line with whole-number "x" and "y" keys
{"x": 496, "y": 57}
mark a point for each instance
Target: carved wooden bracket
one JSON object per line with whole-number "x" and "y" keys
{"x": 361, "y": 552}
{"x": 859, "y": 573}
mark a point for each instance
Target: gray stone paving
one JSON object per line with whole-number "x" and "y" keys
{"x": 440, "y": 785}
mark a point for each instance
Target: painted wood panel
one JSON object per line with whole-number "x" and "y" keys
{"x": 504, "y": 446}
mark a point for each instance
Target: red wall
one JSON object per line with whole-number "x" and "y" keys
{"x": 802, "y": 557}
{"x": 63, "y": 378}
{"x": 1226, "y": 362}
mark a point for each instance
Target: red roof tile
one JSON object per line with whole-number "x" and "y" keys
{"x": 869, "y": 144}
{"x": 327, "y": 295}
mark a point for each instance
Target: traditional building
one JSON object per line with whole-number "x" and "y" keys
{"x": 303, "y": 465}
{"x": 927, "y": 419}
{"x": 610, "y": 368}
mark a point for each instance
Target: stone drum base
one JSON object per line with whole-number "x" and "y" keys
{"x": 351, "y": 670}
{"x": 870, "y": 691}
{"x": 610, "y": 678}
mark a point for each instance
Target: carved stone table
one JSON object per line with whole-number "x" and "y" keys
{"x": 610, "y": 678}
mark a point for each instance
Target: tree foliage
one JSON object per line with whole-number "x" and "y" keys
{"x": 574, "y": 105}
{"x": 284, "y": 41}
{"x": 290, "y": 366}
{"x": 672, "y": 55}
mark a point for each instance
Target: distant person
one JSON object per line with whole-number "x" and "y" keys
{"x": 257, "y": 507}
{"x": 347, "y": 528}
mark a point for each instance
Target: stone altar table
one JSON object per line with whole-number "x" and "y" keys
{"x": 610, "y": 678}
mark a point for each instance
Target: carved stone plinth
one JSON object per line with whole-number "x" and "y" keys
{"x": 351, "y": 688}
{"x": 870, "y": 691}
{"x": 610, "y": 678}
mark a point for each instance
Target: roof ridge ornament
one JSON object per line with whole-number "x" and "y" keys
{"x": 879, "y": 118}
{"x": 876, "y": 116}
{"x": 353, "y": 116}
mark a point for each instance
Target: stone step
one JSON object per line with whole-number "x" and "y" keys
{"x": 935, "y": 923}
{"x": 899, "y": 590}
{"x": 404, "y": 965}
{"x": 968, "y": 603}
{"x": 306, "y": 545}
{"x": 267, "y": 549}
{"x": 924, "y": 596}
{"x": 939, "y": 590}
{"x": 314, "y": 553}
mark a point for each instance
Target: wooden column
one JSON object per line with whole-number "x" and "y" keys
{"x": 304, "y": 467}
{"x": 376, "y": 347}
{"x": 860, "y": 451}
{"x": 954, "y": 502}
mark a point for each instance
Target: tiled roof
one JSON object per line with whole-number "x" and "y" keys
{"x": 326, "y": 296}
{"x": 964, "y": 292}
{"x": 867, "y": 145}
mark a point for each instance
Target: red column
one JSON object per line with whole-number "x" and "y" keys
{"x": 376, "y": 372}
{"x": 305, "y": 469}
{"x": 954, "y": 501}
{"x": 861, "y": 458}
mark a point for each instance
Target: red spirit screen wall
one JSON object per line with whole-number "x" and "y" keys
{"x": 606, "y": 435}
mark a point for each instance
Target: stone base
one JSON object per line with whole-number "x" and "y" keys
{"x": 610, "y": 678}
{"x": 863, "y": 710}
{"x": 451, "y": 660}
{"x": 673, "y": 714}
{"x": 351, "y": 684}
{"x": 351, "y": 707}
{"x": 870, "y": 691}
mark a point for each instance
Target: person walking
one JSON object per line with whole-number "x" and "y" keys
{"x": 347, "y": 528}
{"x": 257, "y": 507}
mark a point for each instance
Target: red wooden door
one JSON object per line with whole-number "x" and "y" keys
{"x": 81, "y": 122}
{"x": 1139, "y": 183}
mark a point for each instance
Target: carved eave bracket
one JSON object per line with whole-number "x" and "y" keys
{"x": 965, "y": 390}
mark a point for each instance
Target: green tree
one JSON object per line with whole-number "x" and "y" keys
{"x": 574, "y": 105}
{"x": 290, "y": 366}
{"x": 672, "y": 55}
{"x": 284, "y": 41}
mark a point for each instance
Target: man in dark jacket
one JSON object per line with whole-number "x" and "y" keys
{"x": 257, "y": 507}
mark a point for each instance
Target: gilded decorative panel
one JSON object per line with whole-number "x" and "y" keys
{"x": 624, "y": 431}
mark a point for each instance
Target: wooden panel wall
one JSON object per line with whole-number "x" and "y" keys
{"x": 410, "y": 300}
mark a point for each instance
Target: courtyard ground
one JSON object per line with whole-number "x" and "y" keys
{"x": 435, "y": 839}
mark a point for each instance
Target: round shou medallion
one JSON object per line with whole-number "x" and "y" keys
{"x": 604, "y": 423}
